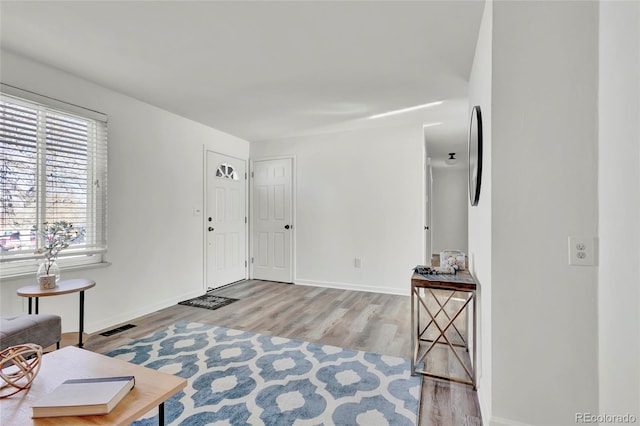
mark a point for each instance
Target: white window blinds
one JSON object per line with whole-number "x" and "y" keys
{"x": 53, "y": 166}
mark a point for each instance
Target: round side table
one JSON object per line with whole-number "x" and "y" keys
{"x": 62, "y": 287}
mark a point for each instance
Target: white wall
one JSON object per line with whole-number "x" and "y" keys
{"x": 358, "y": 194}
{"x": 544, "y": 188}
{"x": 155, "y": 181}
{"x": 480, "y": 219}
{"x": 619, "y": 208}
{"x": 450, "y": 197}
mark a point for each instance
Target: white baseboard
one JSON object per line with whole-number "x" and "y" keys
{"x": 499, "y": 421}
{"x": 485, "y": 412}
{"x": 356, "y": 287}
{"x": 95, "y": 326}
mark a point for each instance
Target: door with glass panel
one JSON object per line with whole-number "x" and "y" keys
{"x": 225, "y": 220}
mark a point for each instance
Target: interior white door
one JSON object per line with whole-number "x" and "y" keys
{"x": 225, "y": 220}
{"x": 272, "y": 225}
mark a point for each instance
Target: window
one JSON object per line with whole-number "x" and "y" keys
{"x": 226, "y": 171}
{"x": 53, "y": 166}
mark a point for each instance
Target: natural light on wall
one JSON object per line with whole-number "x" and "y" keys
{"x": 403, "y": 110}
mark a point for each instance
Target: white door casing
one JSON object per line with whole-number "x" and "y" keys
{"x": 272, "y": 224}
{"x": 225, "y": 220}
{"x": 428, "y": 212}
{"x": 428, "y": 200}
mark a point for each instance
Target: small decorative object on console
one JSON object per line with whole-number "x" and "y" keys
{"x": 429, "y": 270}
{"x": 454, "y": 259}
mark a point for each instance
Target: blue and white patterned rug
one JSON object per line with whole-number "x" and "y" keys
{"x": 241, "y": 378}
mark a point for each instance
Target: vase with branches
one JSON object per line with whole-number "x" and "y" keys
{"x": 57, "y": 236}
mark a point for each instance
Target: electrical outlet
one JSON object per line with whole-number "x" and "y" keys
{"x": 357, "y": 262}
{"x": 582, "y": 251}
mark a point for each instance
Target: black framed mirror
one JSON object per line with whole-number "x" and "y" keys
{"x": 475, "y": 155}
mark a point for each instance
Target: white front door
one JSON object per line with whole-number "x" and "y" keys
{"x": 225, "y": 220}
{"x": 272, "y": 220}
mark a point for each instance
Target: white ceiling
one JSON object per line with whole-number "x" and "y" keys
{"x": 262, "y": 70}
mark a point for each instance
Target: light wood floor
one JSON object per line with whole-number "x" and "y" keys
{"x": 358, "y": 320}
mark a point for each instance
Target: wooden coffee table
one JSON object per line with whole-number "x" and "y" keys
{"x": 152, "y": 388}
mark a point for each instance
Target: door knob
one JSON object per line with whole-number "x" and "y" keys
{"x": 210, "y": 228}
{"x": 286, "y": 227}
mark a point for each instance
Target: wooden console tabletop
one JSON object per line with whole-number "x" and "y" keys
{"x": 462, "y": 281}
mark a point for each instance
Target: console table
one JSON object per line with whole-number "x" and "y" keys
{"x": 62, "y": 287}
{"x": 422, "y": 289}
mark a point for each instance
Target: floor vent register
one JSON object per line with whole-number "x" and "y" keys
{"x": 117, "y": 330}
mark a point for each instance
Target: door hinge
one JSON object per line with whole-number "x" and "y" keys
{"x": 245, "y": 176}
{"x": 252, "y": 174}
{"x": 245, "y": 219}
{"x": 245, "y": 263}
{"x": 252, "y": 260}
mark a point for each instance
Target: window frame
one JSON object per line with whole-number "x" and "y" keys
{"x": 93, "y": 252}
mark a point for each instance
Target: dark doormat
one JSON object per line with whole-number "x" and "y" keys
{"x": 208, "y": 301}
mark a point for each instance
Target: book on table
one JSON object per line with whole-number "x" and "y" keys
{"x": 84, "y": 397}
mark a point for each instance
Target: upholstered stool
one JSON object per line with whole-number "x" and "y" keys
{"x": 41, "y": 329}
